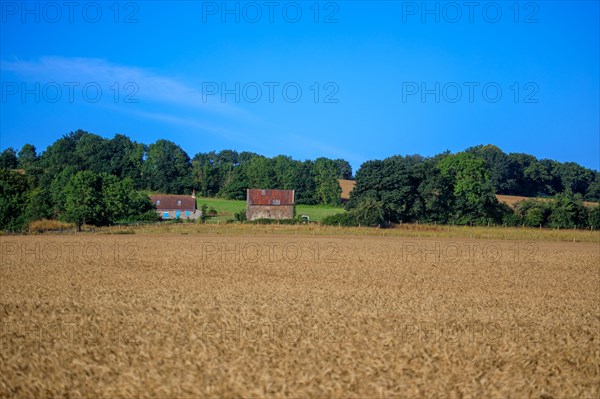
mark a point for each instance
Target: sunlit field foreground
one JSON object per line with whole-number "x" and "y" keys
{"x": 261, "y": 313}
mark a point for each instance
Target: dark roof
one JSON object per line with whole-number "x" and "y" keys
{"x": 177, "y": 202}
{"x": 270, "y": 197}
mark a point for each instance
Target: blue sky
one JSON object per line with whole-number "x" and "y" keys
{"x": 346, "y": 79}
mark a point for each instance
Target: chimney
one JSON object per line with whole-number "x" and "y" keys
{"x": 193, "y": 193}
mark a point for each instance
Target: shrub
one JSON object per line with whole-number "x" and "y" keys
{"x": 594, "y": 217}
{"x": 240, "y": 216}
{"x": 535, "y": 217}
{"x": 533, "y": 213}
{"x": 347, "y": 219}
{"x": 43, "y": 225}
{"x": 204, "y": 216}
{"x": 568, "y": 212}
{"x": 511, "y": 219}
{"x": 368, "y": 213}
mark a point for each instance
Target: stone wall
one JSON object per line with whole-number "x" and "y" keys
{"x": 254, "y": 212}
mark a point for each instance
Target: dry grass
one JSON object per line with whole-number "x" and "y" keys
{"x": 218, "y": 316}
{"x": 404, "y": 230}
{"x": 45, "y": 225}
{"x": 512, "y": 200}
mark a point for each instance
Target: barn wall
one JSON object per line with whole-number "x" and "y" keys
{"x": 254, "y": 212}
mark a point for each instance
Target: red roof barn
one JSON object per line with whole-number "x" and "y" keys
{"x": 270, "y": 204}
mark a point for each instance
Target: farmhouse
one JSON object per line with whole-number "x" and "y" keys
{"x": 176, "y": 206}
{"x": 269, "y": 204}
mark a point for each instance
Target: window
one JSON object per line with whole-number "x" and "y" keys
{"x": 179, "y": 202}
{"x": 276, "y": 202}
{"x": 166, "y": 215}
{"x": 157, "y": 202}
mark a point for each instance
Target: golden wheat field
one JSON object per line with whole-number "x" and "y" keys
{"x": 177, "y": 315}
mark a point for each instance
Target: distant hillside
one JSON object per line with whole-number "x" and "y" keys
{"x": 347, "y": 186}
{"x": 511, "y": 200}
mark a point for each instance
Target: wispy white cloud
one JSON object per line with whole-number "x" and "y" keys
{"x": 153, "y": 87}
{"x": 316, "y": 146}
{"x": 167, "y": 100}
{"x": 182, "y": 121}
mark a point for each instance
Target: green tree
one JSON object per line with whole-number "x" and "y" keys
{"x": 524, "y": 183}
{"x": 500, "y": 167}
{"x": 14, "y": 191}
{"x": 8, "y": 159}
{"x": 122, "y": 202}
{"x": 304, "y": 183}
{"x": 260, "y": 173}
{"x": 344, "y": 169}
{"x": 206, "y": 174}
{"x": 83, "y": 199}
{"x": 236, "y": 190}
{"x": 568, "y": 211}
{"x": 28, "y": 157}
{"x": 115, "y": 198}
{"x": 533, "y": 212}
{"x": 168, "y": 168}
{"x": 39, "y": 205}
{"x": 369, "y": 213}
{"x": 284, "y": 168}
{"x": 594, "y": 217}
{"x": 436, "y": 197}
{"x": 57, "y": 189}
{"x": 368, "y": 183}
{"x": 574, "y": 177}
{"x": 593, "y": 191}
{"x": 399, "y": 183}
{"x": 94, "y": 152}
{"x": 63, "y": 153}
{"x": 234, "y": 182}
{"x": 327, "y": 187}
{"x": 475, "y": 201}
{"x": 469, "y": 176}
{"x": 539, "y": 177}
{"x": 102, "y": 199}
{"x": 534, "y": 217}
{"x": 399, "y": 188}
{"x": 127, "y": 159}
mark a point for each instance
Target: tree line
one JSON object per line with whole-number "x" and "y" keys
{"x": 85, "y": 178}
{"x": 461, "y": 189}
